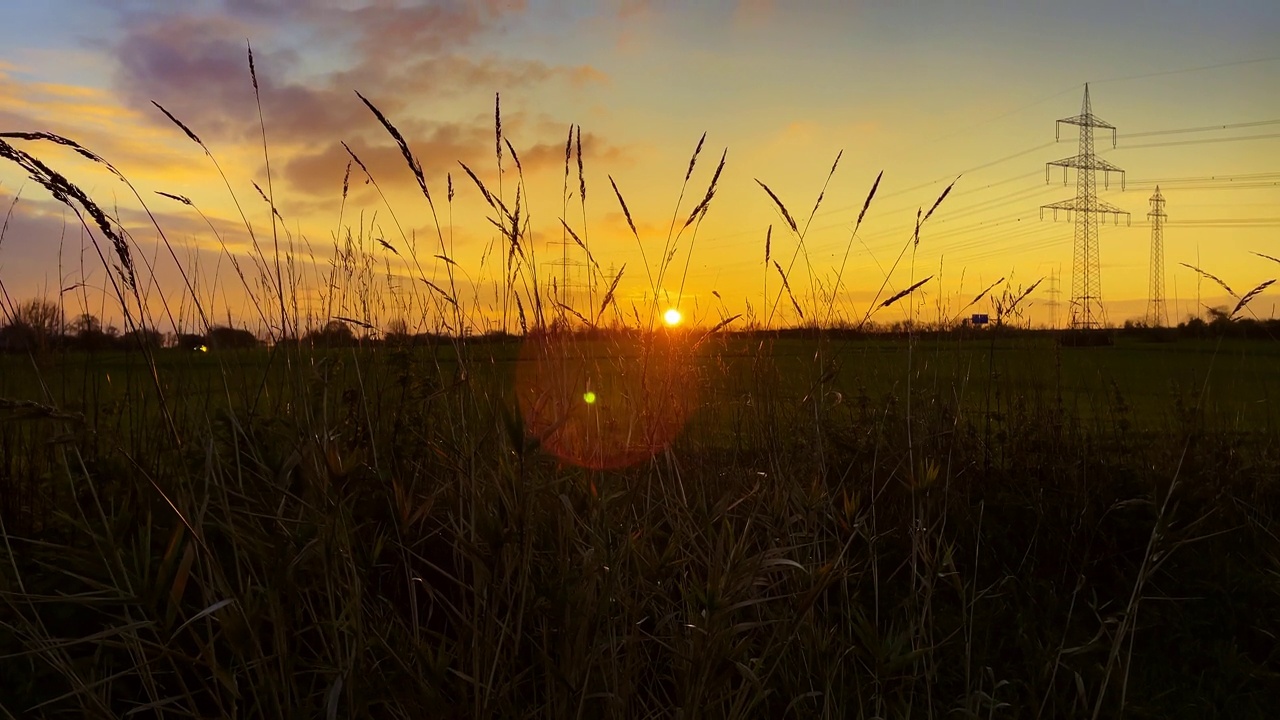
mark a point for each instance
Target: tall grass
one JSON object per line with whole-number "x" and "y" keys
{"x": 409, "y": 527}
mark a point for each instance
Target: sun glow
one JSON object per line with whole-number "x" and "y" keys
{"x": 672, "y": 317}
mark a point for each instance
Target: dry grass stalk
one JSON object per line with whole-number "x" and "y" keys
{"x": 694, "y": 159}
{"x": 786, "y": 286}
{"x": 979, "y": 297}
{"x": 608, "y": 295}
{"x": 625, "y": 210}
{"x": 895, "y": 298}
{"x": 582, "y": 178}
{"x": 448, "y": 298}
{"x": 701, "y": 208}
{"x": 575, "y": 313}
{"x": 1244, "y": 300}
{"x": 403, "y": 144}
{"x": 823, "y": 192}
{"x": 180, "y": 198}
{"x": 941, "y": 197}
{"x": 718, "y": 326}
{"x": 494, "y": 201}
{"x": 866, "y": 204}
{"x": 783, "y": 208}
{"x": 514, "y": 157}
{"x": 1214, "y": 278}
{"x": 181, "y": 125}
{"x": 497, "y": 130}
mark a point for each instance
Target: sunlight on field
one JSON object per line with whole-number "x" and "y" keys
{"x": 604, "y": 404}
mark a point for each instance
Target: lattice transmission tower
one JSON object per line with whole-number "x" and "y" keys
{"x": 1054, "y": 292}
{"x": 565, "y": 287}
{"x": 1157, "y": 315}
{"x": 1086, "y": 278}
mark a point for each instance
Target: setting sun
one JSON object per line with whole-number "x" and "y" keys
{"x": 672, "y": 317}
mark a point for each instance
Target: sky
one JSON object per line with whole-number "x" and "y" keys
{"x": 928, "y": 94}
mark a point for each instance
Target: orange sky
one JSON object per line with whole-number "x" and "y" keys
{"x": 924, "y": 95}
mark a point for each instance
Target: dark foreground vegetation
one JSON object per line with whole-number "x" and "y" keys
{"x": 378, "y": 536}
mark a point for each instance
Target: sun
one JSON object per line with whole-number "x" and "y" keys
{"x": 672, "y": 317}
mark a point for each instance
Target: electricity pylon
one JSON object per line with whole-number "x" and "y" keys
{"x": 1086, "y": 278}
{"x": 1157, "y": 315}
{"x": 1053, "y": 294}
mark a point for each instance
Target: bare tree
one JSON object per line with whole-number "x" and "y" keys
{"x": 32, "y": 325}
{"x": 42, "y": 316}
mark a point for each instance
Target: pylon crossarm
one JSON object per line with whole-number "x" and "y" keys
{"x": 1106, "y": 178}
{"x": 1086, "y": 163}
{"x": 1106, "y": 207}
{"x": 1088, "y": 120}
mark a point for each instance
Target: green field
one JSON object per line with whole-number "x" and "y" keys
{"x": 1236, "y": 382}
{"x": 989, "y": 526}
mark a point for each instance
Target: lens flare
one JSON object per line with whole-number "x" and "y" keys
{"x": 672, "y": 317}
{"x": 605, "y": 403}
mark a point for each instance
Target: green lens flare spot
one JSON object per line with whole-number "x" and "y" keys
{"x": 589, "y": 397}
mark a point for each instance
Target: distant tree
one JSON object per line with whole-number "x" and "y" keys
{"x": 42, "y": 316}
{"x": 88, "y": 334}
{"x": 188, "y": 341}
{"x": 398, "y": 333}
{"x": 18, "y": 336}
{"x": 142, "y": 337}
{"x": 229, "y": 338}
{"x": 335, "y": 333}
{"x": 33, "y": 325}
{"x": 86, "y": 323}
{"x": 1194, "y": 326}
{"x": 1219, "y": 317}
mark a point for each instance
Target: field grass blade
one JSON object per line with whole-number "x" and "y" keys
{"x": 1244, "y": 301}
{"x": 783, "y": 208}
{"x": 409, "y": 157}
{"x": 1212, "y": 277}
{"x": 895, "y": 298}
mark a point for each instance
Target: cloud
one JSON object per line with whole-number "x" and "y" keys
{"x": 550, "y": 155}
{"x": 320, "y": 172}
{"x": 396, "y": 55}
{"x": 89, "y": 116}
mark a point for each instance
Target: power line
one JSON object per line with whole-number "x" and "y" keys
{"x": 1190, "y": 70}
{"x": 1202, "y": 128}
{"x": 1204, "y": 178}
{"x": 1037, "y": 148}
{"x": 1202, "y": 141}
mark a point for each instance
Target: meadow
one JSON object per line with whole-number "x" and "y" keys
{"x": 590, "y": 521}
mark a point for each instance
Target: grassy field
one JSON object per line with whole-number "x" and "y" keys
{"x": 1145, "y": 382}
{"x": 381, "y": 532}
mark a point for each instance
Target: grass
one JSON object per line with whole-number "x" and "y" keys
{"x": 753, "y": 524}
